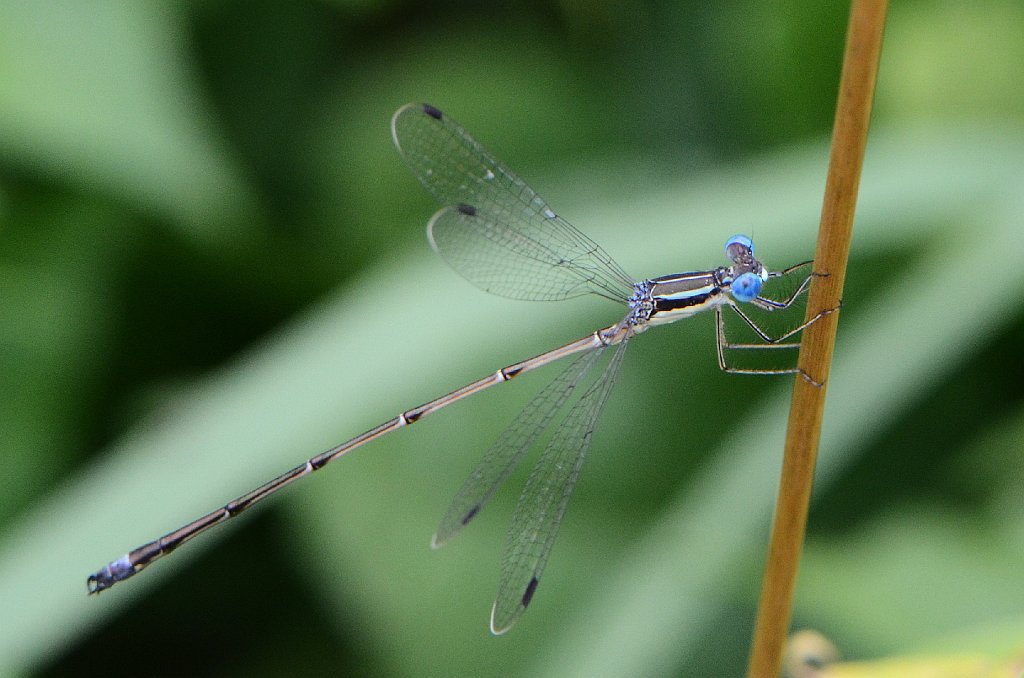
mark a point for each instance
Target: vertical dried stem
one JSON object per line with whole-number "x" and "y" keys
{"x": 853, "y": 109}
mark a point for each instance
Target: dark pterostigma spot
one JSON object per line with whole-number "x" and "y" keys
{"x": 468, "y": 210}
{"x": 472, "y": 514}
{"x": 528, "y": 593}
{"x": 432, "y": 112}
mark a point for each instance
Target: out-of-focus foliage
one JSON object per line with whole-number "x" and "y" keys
{"x": 212, "y": 266}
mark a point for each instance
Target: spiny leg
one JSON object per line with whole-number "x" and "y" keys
{"x": 768, "y": 339}
{"x": 775, "y": 305}
{"x": 723, "y": 344}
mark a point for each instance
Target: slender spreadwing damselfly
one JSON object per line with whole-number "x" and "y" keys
{"x": 500, "y": 235}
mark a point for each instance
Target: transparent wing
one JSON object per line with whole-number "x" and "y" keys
{"x": 505, "y": 261}
{"x": 508, "y": 450}
{"x": 492, "y": 219}
{"x": 542, "y": 505}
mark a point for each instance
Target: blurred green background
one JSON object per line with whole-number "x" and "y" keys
{"x": 212, "y": 265}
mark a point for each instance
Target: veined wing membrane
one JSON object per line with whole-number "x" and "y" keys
{"x": 508, "y": 450}
{"x": 512, "y": 263}
{"x": 520, "y": 233}
{"x": 542, "y": 504}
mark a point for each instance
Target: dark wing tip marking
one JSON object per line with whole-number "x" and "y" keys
{"x": 468, "y": 210}
{"x": 432, "y": 112}
{"x": 528, "y": 593}
{"x": 471, "y": 514}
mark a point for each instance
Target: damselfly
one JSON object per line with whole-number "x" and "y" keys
{"x": 500, "y": 235}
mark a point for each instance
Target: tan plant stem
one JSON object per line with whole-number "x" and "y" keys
{"x": 853, "y": 109}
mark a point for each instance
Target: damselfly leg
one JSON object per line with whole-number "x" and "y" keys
{"x": 769, "y": 340}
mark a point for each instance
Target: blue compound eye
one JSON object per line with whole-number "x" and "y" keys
{"x": 741, "y": 240}
{"x": 746, "y": 286}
